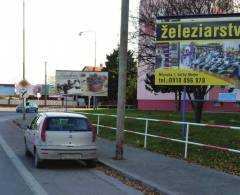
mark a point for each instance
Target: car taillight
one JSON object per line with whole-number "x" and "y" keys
{"x": 43, "y": 132}
{"x": 94, "y": 133}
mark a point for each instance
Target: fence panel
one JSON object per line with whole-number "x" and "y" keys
{"x": 185, "y": 141}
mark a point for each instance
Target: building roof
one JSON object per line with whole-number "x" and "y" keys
{"x": 92, "y": 69}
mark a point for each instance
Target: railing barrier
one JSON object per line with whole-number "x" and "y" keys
{"x": 186, "y": 141}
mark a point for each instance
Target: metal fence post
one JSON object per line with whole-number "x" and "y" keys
{"x": 186, "y": 143}
{"x": 98, "y": 121}
{"x": 145, "y": 136}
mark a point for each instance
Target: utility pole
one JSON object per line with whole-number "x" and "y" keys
{"x": 122, "y": 79}
{"x": 45, "y": 91}
{"x": 24, "y": 98}
{"x": 95, "y": 64}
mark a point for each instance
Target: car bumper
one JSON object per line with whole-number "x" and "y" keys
{"x": 66, "y": 153}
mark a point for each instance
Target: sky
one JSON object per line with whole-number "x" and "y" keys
{"x": 52, "y": 35}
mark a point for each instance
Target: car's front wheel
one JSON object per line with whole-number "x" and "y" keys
{"x": 37, "y": 161}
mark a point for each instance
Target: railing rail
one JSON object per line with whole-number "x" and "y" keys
{"x": 186, "y": 141}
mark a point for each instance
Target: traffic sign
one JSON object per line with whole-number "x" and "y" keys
{"x": 23, "y": 93}
{"x": 39, "y": 95}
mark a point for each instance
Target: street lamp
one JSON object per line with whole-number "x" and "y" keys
{"x": 95, "y": 59}
{"x": 95, "y": 44}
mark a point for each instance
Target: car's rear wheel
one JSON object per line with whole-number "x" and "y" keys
{"x": 37, "y": 161}
{"x": 27, "y": 152}
{"x": 92, "y": 163}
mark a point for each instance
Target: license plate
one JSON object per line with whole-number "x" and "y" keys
{"x": 71, "y": 156}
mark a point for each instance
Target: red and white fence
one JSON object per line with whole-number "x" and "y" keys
{"x": 186, "y": 141}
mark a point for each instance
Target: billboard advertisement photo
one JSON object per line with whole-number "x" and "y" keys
{"x": 82, "y": 83}
{"x": 207, "y": 47}
{"x": 33, "y": 90}
{"x": 7, "y": 89}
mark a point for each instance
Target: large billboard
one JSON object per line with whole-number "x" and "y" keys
{"x": 200, "y": 50}
{"x": 82, "y": 83}
{"x": 7, "y": 89}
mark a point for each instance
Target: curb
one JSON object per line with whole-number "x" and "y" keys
{"x": 129, "y": 175}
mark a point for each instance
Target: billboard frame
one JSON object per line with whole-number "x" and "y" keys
{"x": 199, "y": 42}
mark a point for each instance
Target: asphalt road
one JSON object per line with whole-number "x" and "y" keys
{"x": 19, "y": 176}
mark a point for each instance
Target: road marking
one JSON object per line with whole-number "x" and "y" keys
{"x": 32, "y": 183}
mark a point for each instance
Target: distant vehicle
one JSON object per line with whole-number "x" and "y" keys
{"x": 30, "y": 107}
{"x": 61, "y": 136}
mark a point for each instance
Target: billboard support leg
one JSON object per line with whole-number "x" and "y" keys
{"x": 94, "y": 103}
{"x": 89, "y": 101}
{"x": 184, "y": 112}
{"x": 66, "y": 103}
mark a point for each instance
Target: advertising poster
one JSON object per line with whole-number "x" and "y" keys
{"x": 33, "y": 90}
{"x": 202, "y": 50}
{"x": 7, "y": 89}
{"x": 82, "y": 83}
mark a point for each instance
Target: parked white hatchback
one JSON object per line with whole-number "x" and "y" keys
{"x": 60, "y": 136}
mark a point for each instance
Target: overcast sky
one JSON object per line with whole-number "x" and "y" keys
{"x": 52, "y": 28}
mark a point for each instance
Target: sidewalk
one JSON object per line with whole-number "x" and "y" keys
{"x": 168, "y": 175}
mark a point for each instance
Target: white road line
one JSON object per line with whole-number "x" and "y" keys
{"x": 32, "y": 183}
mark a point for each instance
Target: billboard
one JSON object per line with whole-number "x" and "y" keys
{"x": 199, "y": 50}
{"x": 33, "y": 90}
{"x": 227, "y": 97}
{"x": 7, "y": 89}
{"x": 82, "y": 83}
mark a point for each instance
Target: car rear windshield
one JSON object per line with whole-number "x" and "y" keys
{"x": 67, "y": 124}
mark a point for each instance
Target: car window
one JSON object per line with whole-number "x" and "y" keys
{"x": 67, "y": 124}
{"x": 38, "y": 122}
{"x": 33, "y": 123}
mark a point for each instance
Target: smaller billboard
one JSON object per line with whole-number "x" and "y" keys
{"x": 33, "y": 90}
{"x": 227, "y": 97}
{"x": 82, "y": 83}
{"x": 7, "y": 89}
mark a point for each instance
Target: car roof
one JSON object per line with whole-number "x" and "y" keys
{"x": 63, "y": 114}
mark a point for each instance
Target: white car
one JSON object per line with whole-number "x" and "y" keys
{"x": 61, "y": 136}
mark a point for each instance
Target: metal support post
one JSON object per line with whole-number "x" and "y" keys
{"x": 186, "y": 143}
{"x": 184, "y": 112}
{"x": 145, "y": 136}
{"x": 89, "y": 101}
{"x": 98, "y": 122}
